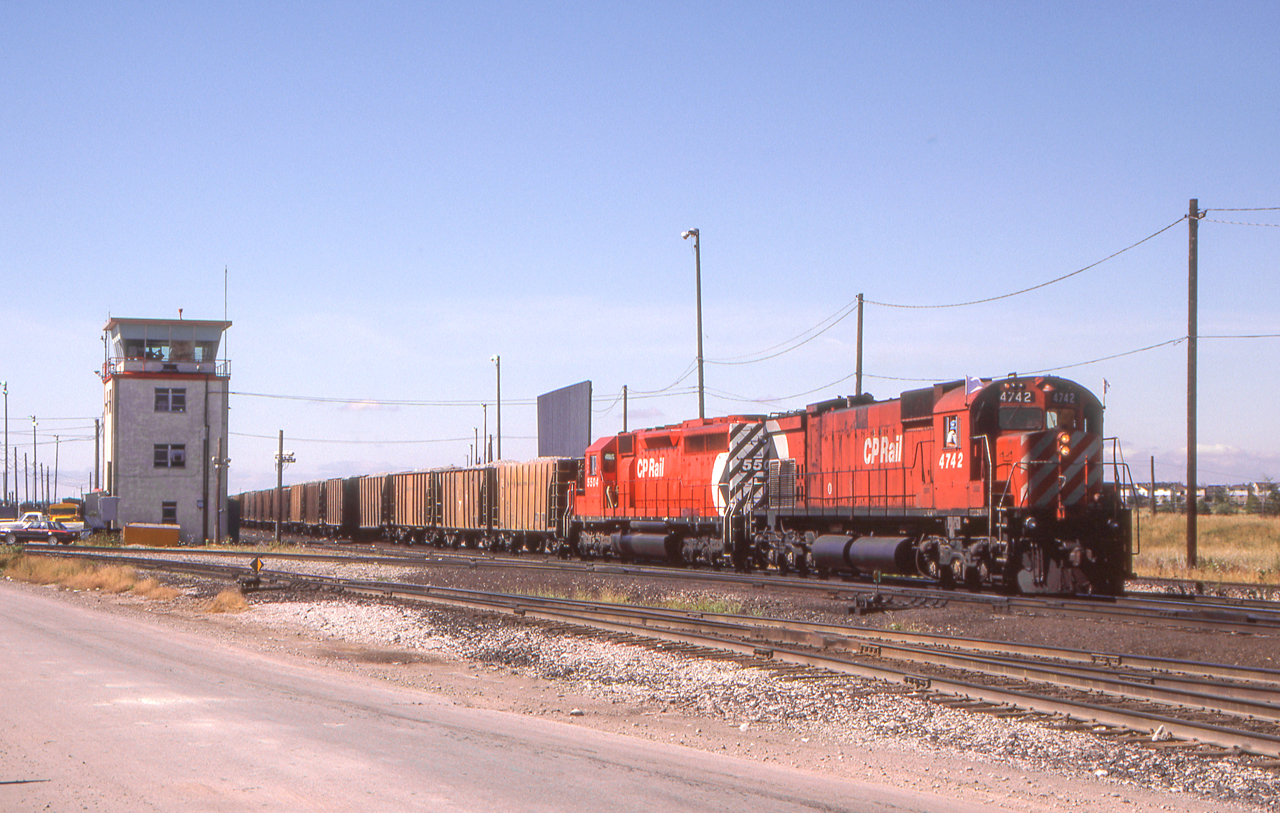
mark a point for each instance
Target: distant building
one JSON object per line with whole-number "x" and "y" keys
{"x": 1166, "y": 493}
{"x": 165, "y": 418}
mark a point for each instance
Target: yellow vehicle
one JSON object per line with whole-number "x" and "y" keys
{"x": 67, "y": 511}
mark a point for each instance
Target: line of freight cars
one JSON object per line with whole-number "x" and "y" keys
{"x": 505, "y": 506}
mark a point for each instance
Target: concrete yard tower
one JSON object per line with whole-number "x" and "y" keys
{"x": 165, "y": 419}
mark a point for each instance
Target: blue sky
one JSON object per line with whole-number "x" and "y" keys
{"x": 399, "y": 191}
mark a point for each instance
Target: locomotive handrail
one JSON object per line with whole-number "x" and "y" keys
{"x": 988, "y": 463}
{"x": 1117, "y": 463}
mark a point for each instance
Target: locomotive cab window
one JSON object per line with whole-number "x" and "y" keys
{"x": 1060, "y": 419}
{"x": 951, "y": 431}
{"x": 1021, "y": 418}
{"x": 610, "y": 462}
{"x": 591, "y": 465}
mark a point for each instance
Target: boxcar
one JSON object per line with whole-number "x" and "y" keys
{"x": 338, "y": 501}
{"x": 412, "y": 514}
{"x": 374, "y": 504}
{"x": 532, "y": 499}
{"x": 467, "y": 505}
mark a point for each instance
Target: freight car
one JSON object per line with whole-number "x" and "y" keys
{"x": 986, "y": 484}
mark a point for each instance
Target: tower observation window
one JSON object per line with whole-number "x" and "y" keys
{"x": 170, "y": 455}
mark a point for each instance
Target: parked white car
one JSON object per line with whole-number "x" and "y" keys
{"x": 21, "y": 522}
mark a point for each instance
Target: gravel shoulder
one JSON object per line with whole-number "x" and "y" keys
{"x": 856, "y": 729}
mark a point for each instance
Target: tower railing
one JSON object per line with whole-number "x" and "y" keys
{"x": 128, "y": 366}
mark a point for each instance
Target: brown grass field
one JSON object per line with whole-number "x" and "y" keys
{"x": 81, "y": 576}
{"x": 1236, "y": 548}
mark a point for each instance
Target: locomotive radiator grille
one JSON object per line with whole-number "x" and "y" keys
{"x": 782, "y": 483}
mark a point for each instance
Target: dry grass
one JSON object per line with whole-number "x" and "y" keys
{"x": 1237, "y": 548}
{"x": 110, "y": 579}
{"x": 228, "y": 601}
{"x": 76, "y": 575}
{"x": 153, "y": 589}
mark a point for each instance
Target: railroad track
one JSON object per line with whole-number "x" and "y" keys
{"x": 1160, "y": 702}
{"x": 1192, "y": 612}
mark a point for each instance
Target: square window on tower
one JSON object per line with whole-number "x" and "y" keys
{"x": 170, "y": 455}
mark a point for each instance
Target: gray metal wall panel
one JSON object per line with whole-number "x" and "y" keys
{"x": 564, "y": 421}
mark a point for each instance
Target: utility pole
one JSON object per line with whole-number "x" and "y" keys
{"x": 5, "y": 497}
{"x": 97, "y": 443}
{"x": 624, "y": 407}
{"x": 279, "y": 483}
{"x": 35, "y": 460}
{"x": 219, "y": 466}
{"x": 498, "y": 361}
{"x": 486, "y": 455}
{"x": 859, "y": 392}
{"x": 1193, "y": 259}
{"x": 1153, "y": 485}
{"x": 697, "y": 276}
{"x": 57, "y": 446}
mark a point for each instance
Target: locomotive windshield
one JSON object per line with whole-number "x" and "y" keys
{"x": 1060, "y": 419}
{"x": 1021, "y": 418}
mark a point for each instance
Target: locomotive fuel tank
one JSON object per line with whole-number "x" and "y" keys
{"x": 865, "y": 554}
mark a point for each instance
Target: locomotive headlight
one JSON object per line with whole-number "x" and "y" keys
{"x": 1064, "y": 444}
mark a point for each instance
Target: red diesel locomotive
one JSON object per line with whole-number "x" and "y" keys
{"x": 985, "y": 484}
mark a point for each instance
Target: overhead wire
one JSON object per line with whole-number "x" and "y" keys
{"x": 744, "y": 399}
{"x": 1033, "y": 287}
{"x": 379, "y": 401}
{"x": 838, "y": 317}
{"x": 841, "y": 314}
{"x": 1237, "y": 223}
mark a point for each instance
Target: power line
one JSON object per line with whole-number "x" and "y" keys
{"x": 850, "y": 307}
{"x": 688, "y": 371}
{"x": 1237, "y": 223}
{"x": 353, "y": 442}
{"x": 742, "y": 399}
{"x": 468, "y": 438}
{"x": 1245, "y": 336}
{"x": 838, "y": 317}
{"x": 375, "y": 401}
{"x": 1034, "y": 287}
